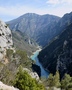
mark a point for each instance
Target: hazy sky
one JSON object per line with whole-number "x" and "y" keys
{"x": 10, "y": 9}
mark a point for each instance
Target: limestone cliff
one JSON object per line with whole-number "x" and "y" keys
{"x": 5, "y": 40}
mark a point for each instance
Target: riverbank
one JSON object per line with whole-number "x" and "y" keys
{"x": 39, "y": 49}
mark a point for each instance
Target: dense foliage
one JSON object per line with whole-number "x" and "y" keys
{"x": 25, "y": 82}
{"x": 24, "y": 60}
{"x": 53, "y": 81}
{"x": 9, "y": 53}
{"x": 66, "y": 82}
{"x": 19, "y": 57}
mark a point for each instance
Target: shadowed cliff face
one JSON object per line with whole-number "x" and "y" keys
{"x": 37, "y": 69}
{"x": 58, "y": 54}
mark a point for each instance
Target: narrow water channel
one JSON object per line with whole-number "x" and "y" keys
{"x": 34, "y": 57}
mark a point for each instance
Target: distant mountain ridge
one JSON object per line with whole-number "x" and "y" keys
{"x": 38, "y": 27}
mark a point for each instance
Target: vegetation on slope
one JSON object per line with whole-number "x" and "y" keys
{"x": 24, "y": 81}
{"x": 54, "y": 81}
{"x": 15, "y": 59}
{"x": 13, "y": 74}
{"x": 23, "y": 42}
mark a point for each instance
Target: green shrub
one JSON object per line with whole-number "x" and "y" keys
{"x": 24, "y": 60}
{"x": 66, "y": 82}
{"x": 9, "y": 52}
{"x": 25, "y": 82}
{"x": 54, "y": 81}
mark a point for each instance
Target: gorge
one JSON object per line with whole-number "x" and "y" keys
{"x": 45, "y": 31}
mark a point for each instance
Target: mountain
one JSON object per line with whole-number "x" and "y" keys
{"x": 55, "y": 29}
{"x": 58, "y": 54}
{"x": 62, "y": 24}
{"x": 38, "y": 27}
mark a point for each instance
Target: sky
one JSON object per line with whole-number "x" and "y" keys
{"x": 11, "y": 9}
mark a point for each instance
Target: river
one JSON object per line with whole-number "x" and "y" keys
{"x": 34, "y": 57}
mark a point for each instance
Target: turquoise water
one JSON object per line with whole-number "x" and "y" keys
{"x": 34, "y": 57}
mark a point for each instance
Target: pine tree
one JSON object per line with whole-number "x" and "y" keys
{"x": 56, "y": 80}
{"x": 50, "y": 80}
{"x": 65, "y": 83}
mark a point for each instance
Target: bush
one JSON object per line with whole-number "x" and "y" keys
{"x": 25, "y": 82}
{"x": 54, "y": 81}
{"x": 9, "y": 53}
{"x": 24, "y": 60}
{"x": 66, "y": 83}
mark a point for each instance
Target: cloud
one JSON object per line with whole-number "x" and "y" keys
{"x": 53, "y": 1}
{"x": 56, "y": 2}
{"x": 15, "y": 11}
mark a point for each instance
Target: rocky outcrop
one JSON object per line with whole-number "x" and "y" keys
{"x": 6, "y": 87}
{"x": 5, "y": 36}
{"x": 53, "y": 88}
{"x": 5, "y": 40}
{"x": 58, "y": 54}
{"x": 32, "y": 74}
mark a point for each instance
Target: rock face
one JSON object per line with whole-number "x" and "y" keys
{"x": 5, "y": 36}
{"x": 5, "y": 39}
{"x": 38, "y": 27}
{"x": 6, "y": 87}
{"x": 58, "y": 54}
